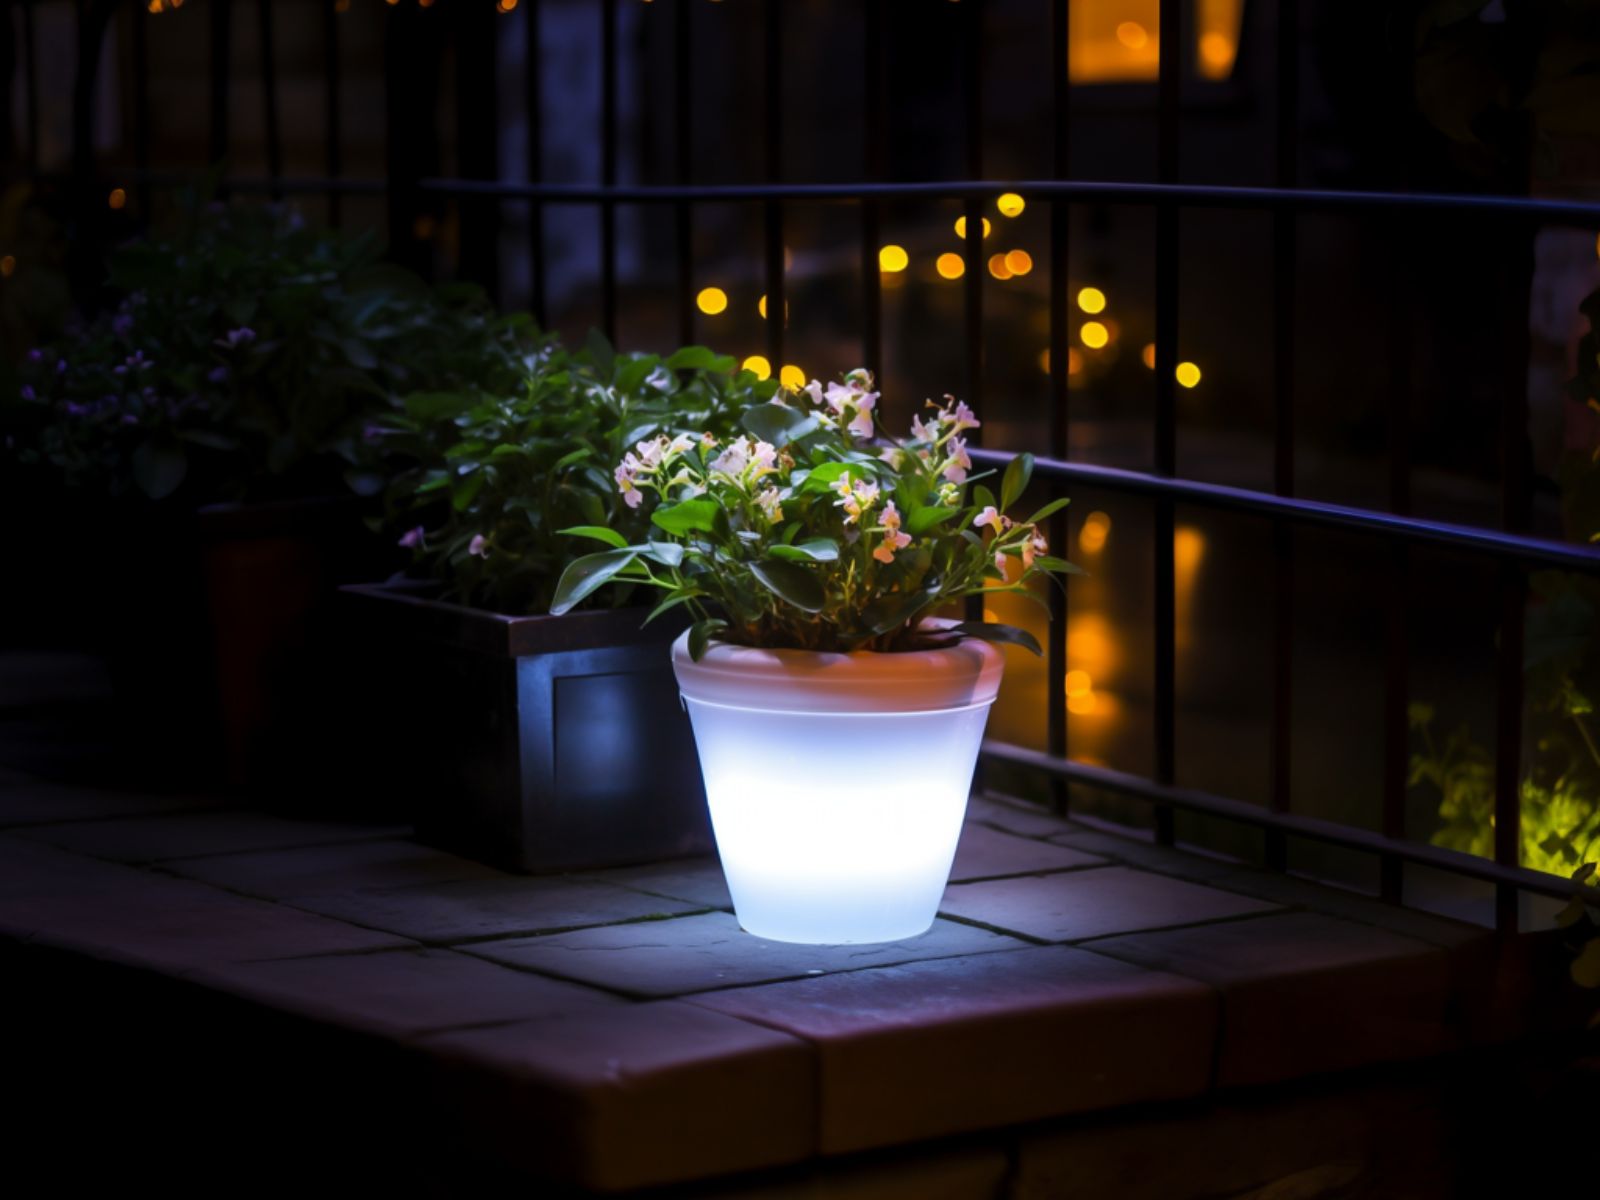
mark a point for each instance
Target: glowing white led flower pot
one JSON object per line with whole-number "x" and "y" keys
{"x": 837, "y": 782}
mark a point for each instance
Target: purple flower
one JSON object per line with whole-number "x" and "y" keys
{"x": 119, "y": 369}
{"x": 479, "y": 546}
{"x": 235, "y": 338}
{"x": 61, "y": 366}
{"x": 129, "y": 419}
{"x": 36, "y": 355}
{"x": 412, "y": 538}
{"x": 28, "y": 393}
{"x": 138, "y": 361}
{"x": 74, "y": 409}
{"x": 218, "y": 375}
{"x": 122, "y": 325}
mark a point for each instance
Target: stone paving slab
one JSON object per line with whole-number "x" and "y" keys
{"x": 510, "y": 906}
{"x": 318, "y": 870}
{"x": 144, "y": 920}
{"x": 698, "y": 953}
{"x": 403, "y": 993}
{"x": 636, "y": 1095}
{"x": 697, "y": 880}
{"x": 1304, "y": 994}
{"x": 927, "y": 1049}
{"x": 153, "y": 839}
{"x": 30, "y": 800}
{"x": 985, "y": 853}
{"x": 1093, "y": 903}
{"x": 1019, "y": 816}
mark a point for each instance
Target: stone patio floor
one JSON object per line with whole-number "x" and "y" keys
{"x": 615, "y": 1030}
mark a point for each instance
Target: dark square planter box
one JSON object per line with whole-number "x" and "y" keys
{"x": 532, "y": 743}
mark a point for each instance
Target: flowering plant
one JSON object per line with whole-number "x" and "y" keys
{"x": 242, "y": 359}
{"x": 484, "y": 478}
{"x": 804, "y": 532}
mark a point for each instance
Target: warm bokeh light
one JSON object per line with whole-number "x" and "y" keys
{"x": 8, "y": 266}
{"x": 424, "y": 3}
{"x": 1010, "y": 205}
{"x": 341, "y": 6}
{"x": 1090, "y": 645}
{"x": 961, "y": 227}
{"x": 1188, "y": 549}
{"x": 998, "y": 266}
{"x": 758, "y": 366}
{"x": 713, "y": 300}
{"x": 1020, "y": 262}
{"x": 1094, "y": 335}
{"x": 1216, "y": 55}
{"x": 1081, "y": 705}
{"x": 1188, "y": 374}
{"x": 761, "y": 307}
{"x": 1074, "y": 360}
{"x": 1112, "y": 329}
{"x": 1132, "y": 35}
{"x": 118, "y": 198}
{"x": 156, "y": 6}
{"x": 1091, "y": 300}
{"x": 1148, "y": 355}
{"x": 893, "y": 258}
{"x": 505, "y": 6}
{"x": 1096, "y": 528}
{"x": 951, "y": 266}
{"x": 1078, "y": 683}
{"x": 792, "y": 377}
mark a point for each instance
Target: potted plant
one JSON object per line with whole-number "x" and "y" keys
{"x": 211, "y": 426}
{"x": 837, "y": 719}
{"x": 535, "y": 742}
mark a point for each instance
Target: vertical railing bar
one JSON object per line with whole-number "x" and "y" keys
{"x": 871, "y": 210}
{"x": 31, "y": 74}
{"x": 221, "y": 46}
{"x": 1397, "y": 634}
{"x": 683, "y": 212}
{"x": 608, "y": 167}
{"x": 332, "y": 131}
{"x": 1508, "y": 741}
{"x": 534, "y": 100}
{"x": 269, "y": 96}
{"x": 141, "y": 106}
{"x": 971, "y": 17}
{"x": 1284, "y": 252}
{"x": 777, "y": 302}
{"x": 1060, "y": 301}
{"x": 1167, "y": 247}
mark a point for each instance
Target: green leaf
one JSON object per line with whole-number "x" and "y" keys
{"x": 791, "y": 583}
{"x": 159, "y": 466}
{"x": 990, "y": 631}
{"x": 1015, "y": 482}
{"x": 823, "y": 478}
{"x": 585, "y": 574}
{"x": 463, "y": 496}
{"x": 1051, "y": 563}
{"x": 776, "y": 423}
{"x": 982, "y": 498}
{"x": 693, "y": 358}
{"x": 701, "y": 633}
{"x": 924, "y": 519}
{"x": 1049, "y": 510}
{"x": 671, "y": 602}
{"x": 599, "y": 533}
{"x": 811, "y": 550}
{"x": 601, "y": 354}
{"x": 668, "y": 554}
{"x": 687, "y": 516}
{"x": 566, "y": 460}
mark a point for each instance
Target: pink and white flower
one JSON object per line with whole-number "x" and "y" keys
{"x": 958, "y": 464}
{"x": 478, "y": 546}
{"x": 893, "y": 539}
{"x": 770, "y": 501}
{"x": 990, "y": 516}
{"x": 411, "y": 539}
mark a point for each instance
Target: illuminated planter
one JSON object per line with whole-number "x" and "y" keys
{"x": 837, "y": 782}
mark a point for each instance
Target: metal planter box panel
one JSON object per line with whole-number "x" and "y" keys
{"x": 532, "y": 743}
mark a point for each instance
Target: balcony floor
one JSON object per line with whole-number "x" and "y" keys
{"x": 615, "y": 1030}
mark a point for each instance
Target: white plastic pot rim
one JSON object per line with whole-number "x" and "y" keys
{"x": 964, "y": 675}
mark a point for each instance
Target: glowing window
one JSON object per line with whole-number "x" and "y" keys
{"x": 1118, "y": 41}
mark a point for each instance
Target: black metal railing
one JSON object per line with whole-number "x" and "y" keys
{"x": 1510, "y": 548}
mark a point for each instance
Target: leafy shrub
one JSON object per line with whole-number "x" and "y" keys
{"x": 485, "y": 478}
{"x": 243, "y": 360}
